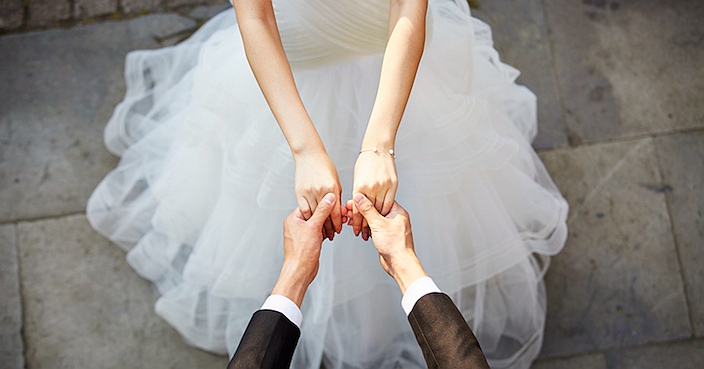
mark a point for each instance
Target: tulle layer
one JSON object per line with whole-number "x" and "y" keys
{"x": 206, "y": 179}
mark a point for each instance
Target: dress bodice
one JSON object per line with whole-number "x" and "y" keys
{"x": 324, "y": 32}
{"x": 316, "y": 32}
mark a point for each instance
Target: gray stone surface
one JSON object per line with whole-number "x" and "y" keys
{"x": 58, "y": 90}
{"x": 207, "y": 12}
{"x": 11, "y": 14}
{"x": 177, "y": 3}
{"x": 137, "y": 6}
{"x": 681, "y": 355}
{"x": 594, "y": 361}
{"x": 86, "y": 308}
{"x": 46, "y": 12}
{"x": 91, "y": 8}
{"x": 628, "y": 67}
{"x": 11, "y": 302}
{"x": 520, "y": 36}
{"x": 617, "y": 283}
{"x": 682, "y": 162}
{"x": 161, "y": 26}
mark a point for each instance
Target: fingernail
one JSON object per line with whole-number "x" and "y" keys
{"x": 329, "y": 198}
{"x": 359, "y": 198}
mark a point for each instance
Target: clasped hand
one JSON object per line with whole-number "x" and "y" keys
{"x": 303, "y": 240}
{"x": 374, "y": 177}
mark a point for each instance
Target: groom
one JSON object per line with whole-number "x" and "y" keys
{"x": 442, "y": 333}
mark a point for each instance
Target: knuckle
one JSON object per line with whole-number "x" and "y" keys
{"x": 364, "y": 187}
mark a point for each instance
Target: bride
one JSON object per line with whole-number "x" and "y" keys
{"x": 273, "y": 106}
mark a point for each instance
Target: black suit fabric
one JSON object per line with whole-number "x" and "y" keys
{"x": 268, "y": 342}
{"x": 444, "y": 337}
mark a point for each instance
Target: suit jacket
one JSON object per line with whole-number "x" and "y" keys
{"x": 443, "y": 335}
{"x": 268, "y": 342}
{"x": 445, "y": 338}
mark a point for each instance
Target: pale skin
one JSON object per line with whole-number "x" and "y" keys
{"x": 303, "y": 239}
{"x": 316, "y": 175}
{"x": 393, "y": 239}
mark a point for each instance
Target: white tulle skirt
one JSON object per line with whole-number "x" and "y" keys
{"x": 206, "y": 179}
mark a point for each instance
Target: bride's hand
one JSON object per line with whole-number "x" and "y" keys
{"x": 316, "y": 176}
{"x": 374, "y": 177}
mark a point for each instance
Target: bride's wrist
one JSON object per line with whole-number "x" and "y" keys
{"x": 308, "y": 151}
{"x": 379, "y": 145}
{"x": 379, "y": 151}
{"x": 378, "y": 140}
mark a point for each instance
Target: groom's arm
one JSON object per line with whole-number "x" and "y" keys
{"x": 442, "y": 333}
{"x": 272, "y": 334}
{"x": 440, "y": 329}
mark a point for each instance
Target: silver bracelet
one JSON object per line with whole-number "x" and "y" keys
{"x": 377, "y": 151}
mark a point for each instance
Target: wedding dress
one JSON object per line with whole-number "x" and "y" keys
{"x": 206, "y": 179}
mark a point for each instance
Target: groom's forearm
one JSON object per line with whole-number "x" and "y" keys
{"x": 293, "y": 281}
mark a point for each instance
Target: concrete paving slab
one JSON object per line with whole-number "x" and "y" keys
{"x": 617, "y": 283}
{"x": 138, "y": 6}
{"x": 86, "y": 308}
{"x": 57, "y": 90}
{"x": 160, "y": 26}
{"x": 682, "y": 162}
{"x": 628, "y": 67}
{"x": 520, "y": 36}
{"x": 177, "y": 3}
{"x": 11, "y": 14}
{"x": 593, "y": 361}
{"x": 46, "y": 12}
{"x": 92, "y": 8}
{"x": 172, "y": 28}
{"x": 206, "y": 12}
{"x": 11, "y": 349}
{"x": 681, "y": 355}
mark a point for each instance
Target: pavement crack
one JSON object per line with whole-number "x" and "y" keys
{"x": 45, "y": 175}
{"x": 614, "y": 169}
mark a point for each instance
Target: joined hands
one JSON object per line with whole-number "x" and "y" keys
{"x": 374, "y": 177}
{"x": 303, "y": 238}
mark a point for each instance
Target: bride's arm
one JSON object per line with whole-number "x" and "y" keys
{"x": 315, "y": 172}
{"x": 375, "y": 173}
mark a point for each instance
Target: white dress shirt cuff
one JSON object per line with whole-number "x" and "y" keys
{"x": 285, "y": 306}
{"x": 419, "y": 288}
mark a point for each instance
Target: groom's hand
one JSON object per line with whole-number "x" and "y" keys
{"x": 393, "y": 239}
{"x": 302, "y": 244}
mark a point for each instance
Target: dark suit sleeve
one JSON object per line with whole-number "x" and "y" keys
{"x": 443, "y": 335}
{"x": 268, "y": 342}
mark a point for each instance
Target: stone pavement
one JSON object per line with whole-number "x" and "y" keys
{"x": 25, "y": 15}
{"x": 621, "y": 107}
